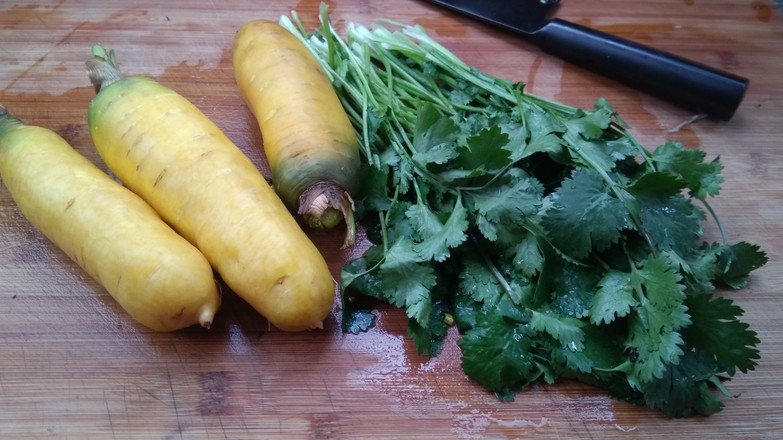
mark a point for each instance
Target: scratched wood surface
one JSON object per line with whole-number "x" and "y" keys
{"x": 74, "y": 366}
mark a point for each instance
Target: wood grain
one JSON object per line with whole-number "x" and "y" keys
{"x": 73, "y": 365}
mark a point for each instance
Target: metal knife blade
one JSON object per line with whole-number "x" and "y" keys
{"x": 524, "y": 17}
{"x": 688, "y": 84}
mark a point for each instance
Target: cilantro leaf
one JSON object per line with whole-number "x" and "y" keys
{"x": 483, "y": 152}
{"x": 702, "y": 178}
{"x": 571, "y": 287}
{"x": 359, "y": 280}
{"x": 698, "y": 270}
{"x": 653, "y": 344}
{"x": 429, "y": 339}
{"x": 587, "y": 133}
{"x": 437, "y": 236}
{"x": 406, "y": 281}
{"x": 402, "y": 170}
{"x": 566, "y": 330}
{"x": 541, "y": 143}
{"x": 659, "y": 286}
{"x": 478, "y": 281}
{"x": 604, "y": 347}
{"x": 655, "y": 337}
{"x": 507, "y": 200}
{"x": 514, "y": 129}
{"x": 717, "y": 330}
{"x": 434, "y": 137}
{"x": 396, "y": 223}
{"x": 584, "y": 215}
{"x": 683, "y": 388}
{"x": 614, "y": 298}
{"x": 371, "y": 194}
{"x": 464, "y": 310}
{"x": 524, "y": 252}
{"x": 657, "y": 184}
{"x": 571, "y": 361}
{"x": 671, "y": 223}
{"x": 737, "y": 261}
{"x": 358, "y": 273}
{"x": 540, "y": 122}
{"x": 591, "y": 124}
{"x": 499, "y": 353}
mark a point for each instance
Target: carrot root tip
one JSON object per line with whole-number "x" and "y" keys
{"x": 206, "y": 317}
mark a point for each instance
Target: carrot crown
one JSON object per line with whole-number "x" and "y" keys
{"x": 103, "y": 68}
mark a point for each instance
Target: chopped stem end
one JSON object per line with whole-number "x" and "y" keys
{"x": 325, "y": 205}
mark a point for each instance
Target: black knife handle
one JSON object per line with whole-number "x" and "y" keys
{"x": 688, "y": 84}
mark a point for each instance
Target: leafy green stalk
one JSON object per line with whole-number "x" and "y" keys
{"x": 558, "y": 245}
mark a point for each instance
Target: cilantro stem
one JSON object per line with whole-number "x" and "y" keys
{"x": 714, "y": 216}
{"x": 419, "y": 198}
{"x": 639, "y": 148}
{"x": 719, "y": 385}
{"x": 626, "y": 367}
{"x": 515, "y": 297}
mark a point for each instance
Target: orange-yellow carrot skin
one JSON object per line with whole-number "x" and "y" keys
{"x": 159, "y": 278}
{"x": 166, "y": 150}
{"x": 306, "y": 132}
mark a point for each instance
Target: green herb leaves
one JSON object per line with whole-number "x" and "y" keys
{"x": 555, "y": 242}
{"x": 584, "y": 215}
{"x": 435, "y": 232}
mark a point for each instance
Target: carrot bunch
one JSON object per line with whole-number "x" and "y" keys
{"x": 159, "y": 278}
{"x": 190, "y": 201}
{"x": 165, "y": 149}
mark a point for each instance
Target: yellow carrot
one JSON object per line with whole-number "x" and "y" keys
{"x": 308, "y": 139}
{"x": 159, "y": 278}
{"x": 165, "y": 149}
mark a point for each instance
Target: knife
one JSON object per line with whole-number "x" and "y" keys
{"x": 688, "y": 84}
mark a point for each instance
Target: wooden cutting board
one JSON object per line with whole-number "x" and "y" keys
{"x": 73, "y": 365}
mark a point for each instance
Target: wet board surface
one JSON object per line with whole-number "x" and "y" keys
{"x": 73, "y": 365}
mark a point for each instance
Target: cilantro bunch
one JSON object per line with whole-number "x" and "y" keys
{"x": 559, "y": 246}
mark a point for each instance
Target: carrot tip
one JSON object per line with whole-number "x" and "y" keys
{"x": 205, "y": 319}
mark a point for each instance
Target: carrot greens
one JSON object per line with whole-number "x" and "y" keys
{"x": 557, "y": 244}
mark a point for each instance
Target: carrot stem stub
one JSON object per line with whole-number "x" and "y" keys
{"x": 308, "y": 139}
